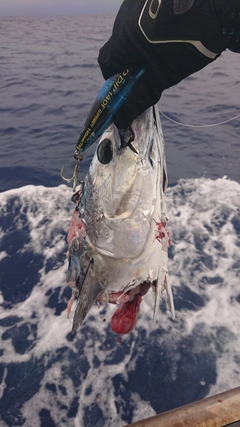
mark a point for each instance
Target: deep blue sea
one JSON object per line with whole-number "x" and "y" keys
{"x": 49, "y": 80}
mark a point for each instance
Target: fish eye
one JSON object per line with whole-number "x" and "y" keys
{"x": 105, "y": 151}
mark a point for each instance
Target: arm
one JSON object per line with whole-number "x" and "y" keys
{"x": 172, "y": 39}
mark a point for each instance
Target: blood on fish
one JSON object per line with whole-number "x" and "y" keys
{"x": 162, "y": 232}
{"x": 76, "y": 228}
{"x": 125, "y": 318}
{"x": 70, "y": 303}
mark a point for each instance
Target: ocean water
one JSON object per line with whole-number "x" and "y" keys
{"x": 49, "y": 80}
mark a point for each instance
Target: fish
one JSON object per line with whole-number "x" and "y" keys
{"x": 118, "y": 238}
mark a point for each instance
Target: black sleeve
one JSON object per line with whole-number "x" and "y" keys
{"x": 170, "y": 38}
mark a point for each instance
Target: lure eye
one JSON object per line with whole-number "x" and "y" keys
{"x": 105, "y": 151}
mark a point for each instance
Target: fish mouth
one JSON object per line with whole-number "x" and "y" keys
{"x": 125, "y": 317}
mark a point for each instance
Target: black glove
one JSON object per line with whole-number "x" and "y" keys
{"x": 170, "y": 38}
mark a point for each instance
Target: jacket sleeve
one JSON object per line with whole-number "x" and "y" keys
{"x": 170, "y": 38}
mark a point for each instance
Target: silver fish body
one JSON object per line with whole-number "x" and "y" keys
{"x": 123, "y": 241}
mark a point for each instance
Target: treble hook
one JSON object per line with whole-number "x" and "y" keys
{"x": 75, "y": 175}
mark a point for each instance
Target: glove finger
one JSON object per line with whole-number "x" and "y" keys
{"x": 107, "y": 62}
{"x": 113, "y": 61}
{"x": 145, "y": 93}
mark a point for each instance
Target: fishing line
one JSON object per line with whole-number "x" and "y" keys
{"x": 198, "y": 126}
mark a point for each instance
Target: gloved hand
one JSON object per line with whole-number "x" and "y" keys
{"x": 170, "y": 38}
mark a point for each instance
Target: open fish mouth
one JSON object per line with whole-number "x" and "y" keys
{"x": 125, "y": 317}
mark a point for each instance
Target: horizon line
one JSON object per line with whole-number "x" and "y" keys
{"x": 55, "y": 14}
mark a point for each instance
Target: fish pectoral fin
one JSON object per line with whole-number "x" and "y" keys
{"x": 87, "y": 295}
{"x": 157, "y": 295}
{"x": 169, "y": 297}
{"x": 158, "y": 289}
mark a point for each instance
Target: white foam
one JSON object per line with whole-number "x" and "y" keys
{"x": 3, "y": 254}
{"x": 205, "y": 248}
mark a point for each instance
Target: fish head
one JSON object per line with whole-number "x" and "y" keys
{"x": 120, "y": 189}
{"x": 121, "y": 204}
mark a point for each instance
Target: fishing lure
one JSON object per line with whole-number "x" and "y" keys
{"x": 110, "y": 98}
